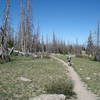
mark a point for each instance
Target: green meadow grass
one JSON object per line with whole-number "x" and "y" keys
{"x": 47, "y": 75}
{"x": 89, "y": 72}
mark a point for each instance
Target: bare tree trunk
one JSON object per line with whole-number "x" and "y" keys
{"x": 98, "y": 35}
{"x": 22, "y": 27}
{"x": 47, "y": 45}
{"x": 29, "y": 26}
{"x": 3, "y": 33}
{"x": 26, "y": 27}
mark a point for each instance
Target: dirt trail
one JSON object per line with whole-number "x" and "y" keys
{"x": 79, "y": 87}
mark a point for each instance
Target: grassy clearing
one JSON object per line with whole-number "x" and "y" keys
{"x": 47, "y": 75}
{"x": 89, "y": 72}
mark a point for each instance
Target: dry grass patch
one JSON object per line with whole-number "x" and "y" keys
{"x": 15, "y": 76}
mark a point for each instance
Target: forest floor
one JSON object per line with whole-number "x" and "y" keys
{"x": 89, "y": 72}
{"x": 25, "y": 78}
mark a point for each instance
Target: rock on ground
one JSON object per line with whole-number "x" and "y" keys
{"x": 49, "y": 97}
{"x": 25, "y": 79}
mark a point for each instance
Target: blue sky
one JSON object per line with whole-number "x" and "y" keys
{"x": 69, "y": 19}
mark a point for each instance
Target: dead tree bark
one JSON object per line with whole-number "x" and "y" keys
{"x": 47, "y": 45}
{"x": 29, "y": 26}
{"x": 22, "y": 28}
{"x": 42, "y": 44}
{"x": 4, "y": 28}
{"x": 25, "y": 27}
{"x": 98, "y": 35}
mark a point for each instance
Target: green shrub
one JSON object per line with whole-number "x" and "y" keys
{"x": 63, "y": 52}
{"x": 61, "y": 86}
{"x": 15, "y": 54}
{"x": 94, "y": 59}
{"x": 5, "y": 59}
{"x": 10, "y": 44}
{"x": 1, "y": 61}
{"x": 80, "y": 56}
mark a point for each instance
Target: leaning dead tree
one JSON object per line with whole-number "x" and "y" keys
{"x": 3, "y": 34}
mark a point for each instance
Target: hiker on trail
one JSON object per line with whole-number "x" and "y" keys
{"x": 69, "y": 60}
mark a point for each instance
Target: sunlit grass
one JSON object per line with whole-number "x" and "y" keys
{"x": 42, "y": 72}
{"x": 89, "y": 72}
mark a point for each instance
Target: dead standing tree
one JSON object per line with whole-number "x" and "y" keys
{"x": 90, "y": 45}
{"x": 98, "y": 34}
{"x": 29, "y": 26}
{"x": 97, "y": 47}
{"x": 47, "y": 45}
{"x": 42, "y": 44}
{"x": 93, "y": 48}
{"x": 25, "y": 27}
{"x": 3, "y": 34}
{"x": 22, "y": 34}
{"x": 54, "y": 44}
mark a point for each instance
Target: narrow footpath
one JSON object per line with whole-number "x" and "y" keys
{"x": 79, "y": 88}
